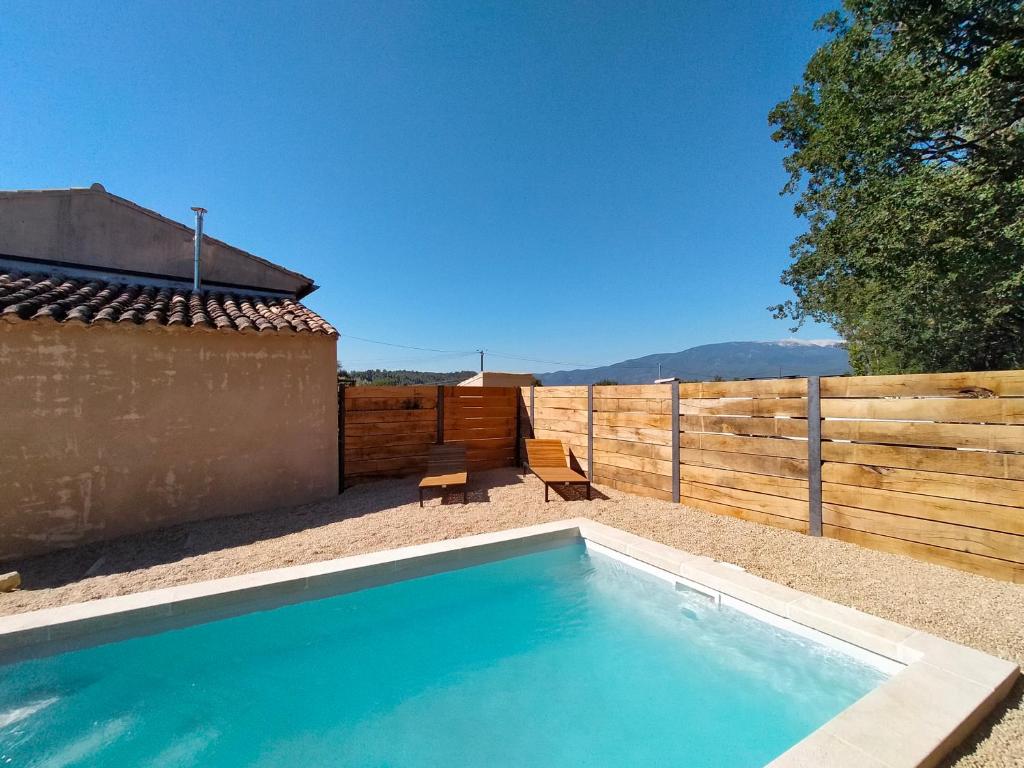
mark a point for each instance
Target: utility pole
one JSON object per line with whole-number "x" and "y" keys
{"x": 659, "y": 369}
{"x": 481, "y": 360}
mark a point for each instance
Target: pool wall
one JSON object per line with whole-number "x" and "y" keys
{"x": 937, "y": 695}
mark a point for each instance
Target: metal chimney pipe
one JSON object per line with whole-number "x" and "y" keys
{"x": 200, "y": 212}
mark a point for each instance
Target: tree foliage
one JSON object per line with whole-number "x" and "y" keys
{"x": 906, "y": 147}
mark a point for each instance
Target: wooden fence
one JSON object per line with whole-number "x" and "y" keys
{"x": 931, "y": 466}
{"x": 386, "y": 431}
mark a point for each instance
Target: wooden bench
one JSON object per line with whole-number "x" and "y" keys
{"x": 446, "y": 468}
{"x": 546, "y": 459}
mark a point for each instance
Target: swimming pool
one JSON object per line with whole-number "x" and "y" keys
{"x": 561, "y": 652}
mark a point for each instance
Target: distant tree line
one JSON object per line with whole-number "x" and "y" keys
{"x": 382, "y": 377}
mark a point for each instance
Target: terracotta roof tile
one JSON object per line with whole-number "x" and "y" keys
{"x": 72, "y": 300}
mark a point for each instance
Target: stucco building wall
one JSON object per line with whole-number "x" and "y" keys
{"x": 106, "y": 431}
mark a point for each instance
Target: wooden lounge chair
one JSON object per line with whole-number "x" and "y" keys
{"x": 546, "y": 459}
{"x": 446, "y": 468}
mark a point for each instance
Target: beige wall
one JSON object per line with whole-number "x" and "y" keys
{"x": 110, "y": 430}
{"x": 498, "y": 379}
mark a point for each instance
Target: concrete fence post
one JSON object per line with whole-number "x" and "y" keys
{"x": 814, "y": 455}
{"x": 674, "y": 394}
{"x": 590, "y": 432}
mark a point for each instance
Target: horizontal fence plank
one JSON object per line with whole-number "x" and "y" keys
{"x": 761, "y": 446}
{"x": 987, "y": 384}
{"x": 562, "y": 414}
{"x": 978, "y": 541}
{"x": 991, "y": 410}
{"x": 742, "y": 425}
{"x": 572, "y": 427}
{"x": 378, "y": 466}
{"x": 562, "y": 403}
{"x": 655, "y": 436}
{"x": 568, "y": 438}
{"x": 979, "y": 463}
{"x": 752, "y": 388}
{"x": 401, "y": 428}
{"x": 758, "y": 502}
{"x": 631, "y": 488}
{"x": 386, "y": 417}
{"x": 461, "y": 422}
{"x": 764, "y": 518}
{"x": 982, "y": 489}
{"x": 360, "y": 441}
{"x": 990, "y": 437}
{"x": 629, "y": 391}
{"x": 389, "y": 403}
{"x": 470, "y": 411}
{"x": 984, "y": 566}
{"x": 785, "y": 406}
{"x": 646, "y": 479}
{"x": 745, "y": 462}
{"x": 387, "y": 451}
{"x": 568, "y": 391}
{"x": 638, "y": 463}
{"x": 483, "y": 433}
{"x": 638, "y": 405}
{"x": 631, "y": 448}
{"x": 396, "y": 393}
{"x": 746, "y": 481}
{"x": 974, "y": 514}
{"x": 627, "y": 419}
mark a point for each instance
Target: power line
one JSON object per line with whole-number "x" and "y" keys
{"x": 407, "y": 346}
{"x": 535, "y": 360}
{"x": 505, "y": 355}
{"x": 353, "y": 360}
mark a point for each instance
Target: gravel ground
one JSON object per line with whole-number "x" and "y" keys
{"x": 964, "y": 608}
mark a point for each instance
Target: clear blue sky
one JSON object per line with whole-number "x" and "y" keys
{"x": 578, "y": 182}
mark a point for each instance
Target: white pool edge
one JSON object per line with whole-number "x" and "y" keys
{"x": 913, "y": 719}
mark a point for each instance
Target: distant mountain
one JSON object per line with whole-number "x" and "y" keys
{"x": 731, "y": 360}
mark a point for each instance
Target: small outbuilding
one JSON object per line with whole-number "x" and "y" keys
{"x": 131, "y": 401}
{"x": 498, "y": 379}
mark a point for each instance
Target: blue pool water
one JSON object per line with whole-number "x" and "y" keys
{"x": 558, "y": 658}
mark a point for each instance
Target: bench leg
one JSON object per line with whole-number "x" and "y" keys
{"x": 421, "y": 497}
{"x": 545, "y": 492}
{"x": 463, "y": 495}
{"x": 588, "y": 491}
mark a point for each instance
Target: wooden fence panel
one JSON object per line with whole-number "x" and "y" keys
{"x": 484, "y": 419}
{"x": 633, "y": 438}
{"x": 743, "y": 449}
{"x": 928, "y": 465}
{"x": 387, "y": 431}
{"x": 560, "y": 414}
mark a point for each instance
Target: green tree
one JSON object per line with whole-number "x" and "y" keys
{"x": 906, "y": 144}
{"x": 605, "y": 383}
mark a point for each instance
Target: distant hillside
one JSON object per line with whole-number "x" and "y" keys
{"x": 731, "y": 360}
{"x": 380, "y": 377}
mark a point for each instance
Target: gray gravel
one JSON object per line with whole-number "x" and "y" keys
{"x": 962, "y": 607}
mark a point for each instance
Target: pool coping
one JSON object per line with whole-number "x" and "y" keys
{"x": 911, "y": 720}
